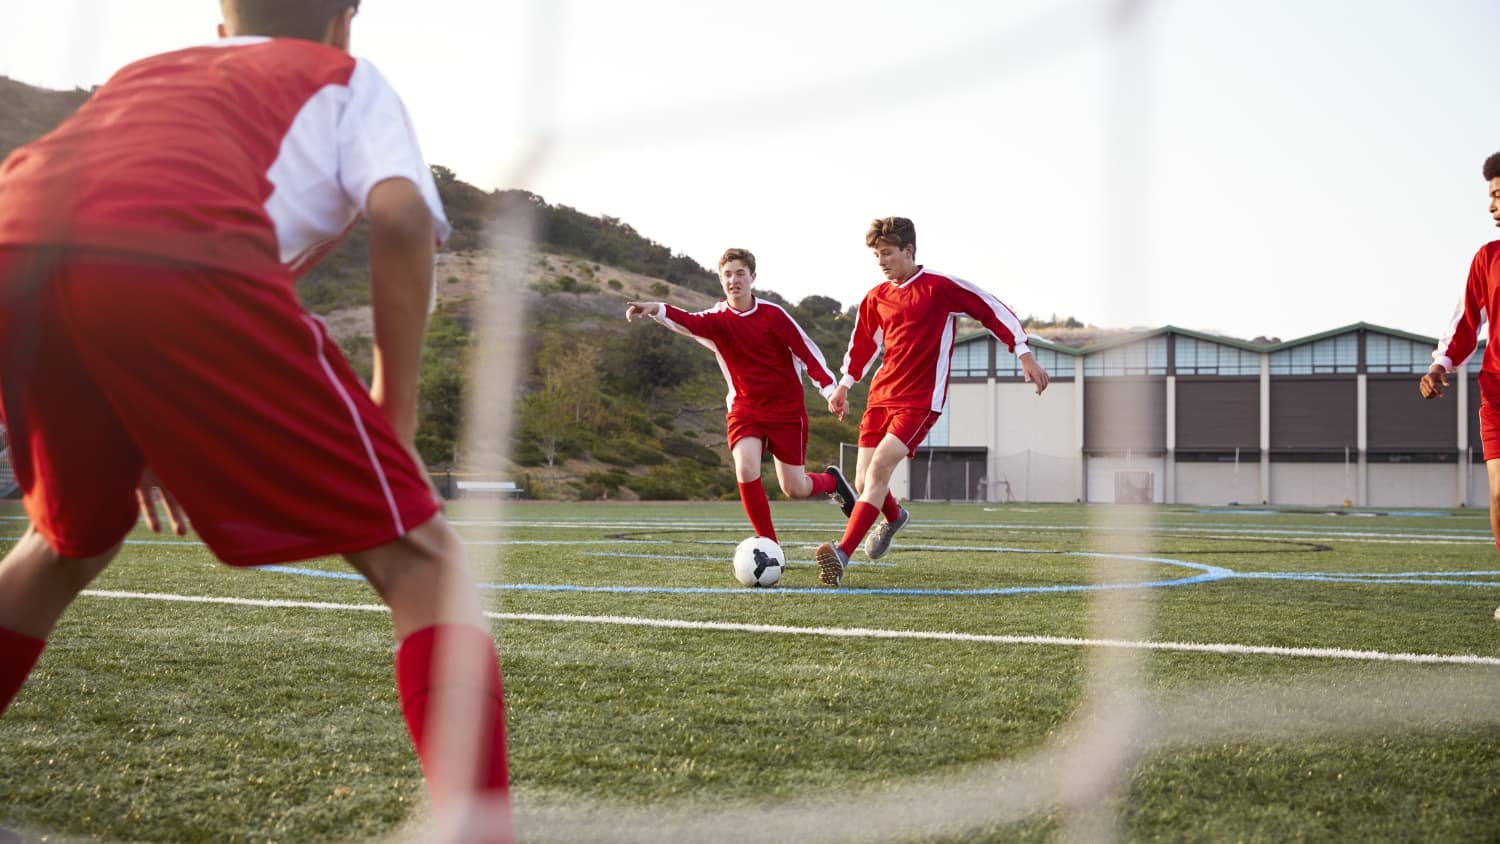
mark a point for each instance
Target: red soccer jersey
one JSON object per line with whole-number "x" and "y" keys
{"x": 248, "y": 154}
{"x": 762, "y": 353}
{"x": 1480, "y": 303}
{"x": 914, "y": 321}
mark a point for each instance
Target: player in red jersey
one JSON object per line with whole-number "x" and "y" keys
{"x": 1480, "y": 303}
{"x": 912, "y": 315}
{"x": 762, "y": 352}
{"x": 148, "y": 249}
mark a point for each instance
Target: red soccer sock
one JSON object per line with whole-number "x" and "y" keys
{"x": 758, "y": 508}
{"x": 822, "y": 483}
{"x": 18, "y": 655}
{"x": 891, "y": 509}
{"x": 475, "y": 690}
{"x": 860, "y": 522}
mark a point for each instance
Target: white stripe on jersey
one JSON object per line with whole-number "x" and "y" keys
{"x": 800, "y": 368}
{"x": 944, "y": 362}
{"x": 317, "y": 326}
{"x": 1440, "y": 354}
{"x": 316, "y": 196}
{"x": 1003, "y": 314}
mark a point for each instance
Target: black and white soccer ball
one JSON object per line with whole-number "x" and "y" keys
{"x": 758, "y": 562}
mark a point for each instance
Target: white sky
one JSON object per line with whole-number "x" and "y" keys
{"x": 1279, "y": 167}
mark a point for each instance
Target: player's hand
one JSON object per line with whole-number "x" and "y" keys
{"x": 838, "y": 403}
{"x": 635, "y": 309}
{"x": 146, "y": 494}
{"x": 1034, "y": 372}
{"x": 1434, "y": 382}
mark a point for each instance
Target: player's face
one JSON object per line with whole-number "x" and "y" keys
{"x": 736, "y": 278}
{"x": 898, "y": 263}
{"x": 1495, "y": 200}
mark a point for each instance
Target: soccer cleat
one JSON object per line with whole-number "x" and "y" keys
{"x": 831, "y": 563}
{"x": 879, "y": 540}
{"x": 843, "y": 494}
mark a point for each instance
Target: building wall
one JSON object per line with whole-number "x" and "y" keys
{"x": 1218, "y": 483}
{"x": 1413, "y": 485}
{"x": 1313, "y": 484}
{"x": 1479, "y": 487}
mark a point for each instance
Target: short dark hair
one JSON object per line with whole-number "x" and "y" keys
{"x": 1492, "y": 167}
{"x": 307, "y": 19}
{"x": 897, "y": 231}
{"x": 741, "y": 255}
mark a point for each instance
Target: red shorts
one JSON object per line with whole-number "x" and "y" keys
{"x": 909, "y": 424}
{"x": 234, "y": 395}
{"x": 786, "y": 439}
{"x": 1489, "y": 413}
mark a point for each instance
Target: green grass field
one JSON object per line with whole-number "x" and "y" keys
{"x": 652, "y": 698}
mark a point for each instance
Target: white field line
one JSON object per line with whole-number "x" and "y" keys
{"x": 854, "y": 632}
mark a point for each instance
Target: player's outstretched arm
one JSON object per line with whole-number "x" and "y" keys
{"x": 1434, "y": 382}
{"x": 402, "y": 247}
{"x": 642, "y": 309}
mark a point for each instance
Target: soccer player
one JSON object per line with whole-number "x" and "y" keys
{"x": 148, "y": 249}
{"x": 762, "y": 352}
{"x": 1480, "y": 303}
{"x": 912, "y": 315}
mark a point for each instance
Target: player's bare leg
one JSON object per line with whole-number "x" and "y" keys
{"x": 36, "y": 585}
{"x": 888, "y": 455}
{"x": 876, "y": 477}
{"x": 1492, "y": 467}
{"x": 448, "y": 677}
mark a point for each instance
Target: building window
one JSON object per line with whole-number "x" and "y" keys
{"x": 938, "y": 433}
{"x": 1143, "y": 357}
{"x": 1202, "y": 357}
{"x": 1384, "y": 353}
{"x": 972, "y": 359}
{"x": 1332, "y": 354}
{"x": 1057, "y": 365}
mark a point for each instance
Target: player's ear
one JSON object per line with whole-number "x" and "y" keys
{"x": 337, "y": 34}
{"x": 223, "y": 33}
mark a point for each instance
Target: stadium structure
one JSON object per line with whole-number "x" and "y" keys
{"x": 1182, "y": 417}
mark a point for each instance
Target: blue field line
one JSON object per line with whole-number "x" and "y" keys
{"x": 1208, "y": 574}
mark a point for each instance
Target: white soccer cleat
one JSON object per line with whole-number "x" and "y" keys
{"x": 879, "y": 540}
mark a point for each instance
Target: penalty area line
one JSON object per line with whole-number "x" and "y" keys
{"x": 1227, "y": 649}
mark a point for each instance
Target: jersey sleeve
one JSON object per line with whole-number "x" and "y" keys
{"x": 377, "y": 142}
{"x": 807, "y": 352}
{"x": 865, "y": 342}
{"x": 699, "y": 326}
{"x": 992, "y": 313}
{"x": 1469, "y": 317}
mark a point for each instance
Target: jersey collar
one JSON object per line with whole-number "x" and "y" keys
{"x": 914, "y": 276}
